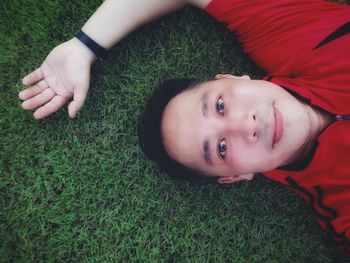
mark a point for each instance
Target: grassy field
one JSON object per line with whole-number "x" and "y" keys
{"x": 81, "y": 190}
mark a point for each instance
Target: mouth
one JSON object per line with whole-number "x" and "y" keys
{"x": 277, "y": 123}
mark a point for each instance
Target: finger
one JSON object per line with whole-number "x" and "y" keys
{"x": 33, "y": 77}
{"x": 80, "y": 93}
{"x": 38, "y": 100}
{"x": 52, "y": 106}
{"x": 35, "y": 90}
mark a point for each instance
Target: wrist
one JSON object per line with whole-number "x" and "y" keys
{"x": 90, "y": 43}
{"x": 83, "y": 50}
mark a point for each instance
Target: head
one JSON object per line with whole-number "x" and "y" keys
{"x": 228, "y": 128}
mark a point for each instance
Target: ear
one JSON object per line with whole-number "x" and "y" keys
{"x": 229, "y": 76}
{"x": 235, "y": 178}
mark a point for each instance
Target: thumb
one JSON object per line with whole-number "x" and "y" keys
{"x": 80, "y": 93}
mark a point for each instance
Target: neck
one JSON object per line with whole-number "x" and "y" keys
{"x": 319, "y": 120}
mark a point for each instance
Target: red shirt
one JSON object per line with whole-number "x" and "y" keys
{"x": 305, "y": 48}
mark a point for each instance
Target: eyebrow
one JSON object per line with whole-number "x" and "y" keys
{"x": 206, "y": 152}
{"x": 205, "y": 145}
{"x": 204, "y": 102}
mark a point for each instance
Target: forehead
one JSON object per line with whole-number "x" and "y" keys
{"x": 184, "y": 125}
{"x": 179, "y": 117}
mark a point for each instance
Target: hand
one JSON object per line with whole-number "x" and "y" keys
{"x": 64, "y": 74}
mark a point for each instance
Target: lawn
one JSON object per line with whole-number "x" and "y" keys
{"x": 82, "y": 191}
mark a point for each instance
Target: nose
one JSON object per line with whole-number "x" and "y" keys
{"x": 244, "y": 125}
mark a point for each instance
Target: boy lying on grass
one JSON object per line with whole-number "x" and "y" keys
{"x": 292, "y": 126}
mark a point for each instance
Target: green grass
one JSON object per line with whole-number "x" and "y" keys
{"x": 81, "y": 190}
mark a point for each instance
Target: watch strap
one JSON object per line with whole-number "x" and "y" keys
{"x": 90, "y": 43}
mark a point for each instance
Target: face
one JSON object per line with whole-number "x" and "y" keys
{"x": 233, "y": 127}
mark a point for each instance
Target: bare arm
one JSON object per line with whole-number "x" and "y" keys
{"x": 114, "y": 19}
{"x": 65, "y": 73}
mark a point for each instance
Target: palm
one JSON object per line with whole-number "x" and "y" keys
{"x": 64, "y": 74}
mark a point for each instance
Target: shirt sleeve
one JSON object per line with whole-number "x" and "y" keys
{"x": 278, "y": 34}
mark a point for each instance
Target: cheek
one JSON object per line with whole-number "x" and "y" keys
{"x": 252, "y": 159}
{"x": 241, "y": 157}
{"x": 249, "y": 98}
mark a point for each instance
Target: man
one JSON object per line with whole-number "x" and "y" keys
{"x": 292, "y": 126}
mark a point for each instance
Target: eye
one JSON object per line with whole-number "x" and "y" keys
{"x": 222, "y": 148}
{"x": 220, "y": 106}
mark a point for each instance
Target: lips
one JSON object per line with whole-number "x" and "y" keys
{"x": 278, "y": 127}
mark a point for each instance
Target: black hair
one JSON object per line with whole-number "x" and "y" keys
{"x": 149, "y": 130}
